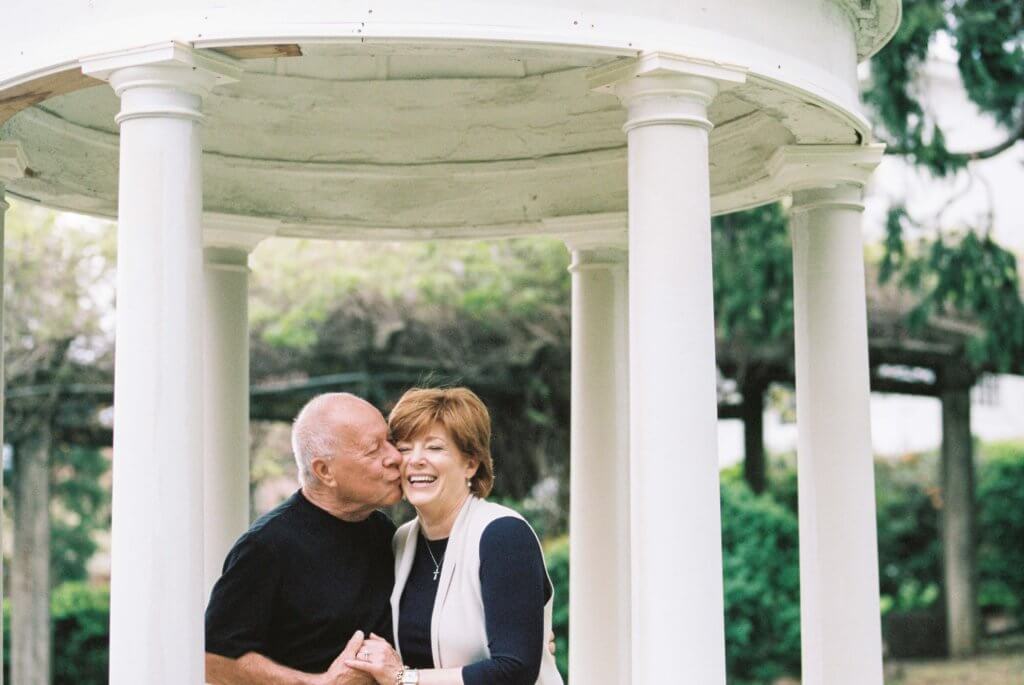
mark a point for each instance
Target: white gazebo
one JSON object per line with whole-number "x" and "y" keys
{"x": 206, "y": 126}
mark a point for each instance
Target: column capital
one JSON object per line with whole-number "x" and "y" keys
{"x": 233, "y": 232}
{"x": 13, "y": 162}
{"x": 593, "y": 238}
{"x": 174, "y": 64}
{"x": 841, "y": 196}
{"x": 666, "y": 88}
{"x": 598, "y": 250}
{"x": 226, "y": 259}
{"x": 802, "y": 167}
{"x": 156, "y": 69}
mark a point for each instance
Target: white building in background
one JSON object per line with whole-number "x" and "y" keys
{"x": 901, "y": 423}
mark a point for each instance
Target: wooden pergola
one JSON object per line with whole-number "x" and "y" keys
{"x": 931, "y": 362}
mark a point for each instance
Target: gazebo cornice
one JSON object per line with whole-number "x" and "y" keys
{"x": 875, "y": 21}
{"x": 13, "y": 161}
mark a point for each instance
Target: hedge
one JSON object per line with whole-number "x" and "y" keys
{"x": 81, "y": 619}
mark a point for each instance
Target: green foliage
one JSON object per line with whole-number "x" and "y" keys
{"x": 990, "y": 41}
{"x": 493, "y": 316}
{"x": 911, "y": 595}
{"x": 762, "y": 586}
{"x": 909, "y": 501}
{"x": 556, "y": 553}
{"x": 968, "y": 275}
{"x": 297, "y": 285}
{"x": 909, "y": 546}
{"x": 1000, "y": 525}
{"x": 988, "y": 36}
{"x": 81, "y": 500}
{"x": 81, "y": 634}
{"x": 58, "y": 286}
{"x": 753, "y": 271}
{"x": 58, "y": 333}
{"x": 893, "y": 92}
{"x": 762, "y": 577}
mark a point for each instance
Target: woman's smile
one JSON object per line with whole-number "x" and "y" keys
{"x": 421, "y": 481}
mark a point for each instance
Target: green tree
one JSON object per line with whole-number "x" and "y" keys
{"x": 988, "y": 36}
{"x": 58, "y": 339}
{"x": 963, "y": 272}
{"x": 379, "y": 318}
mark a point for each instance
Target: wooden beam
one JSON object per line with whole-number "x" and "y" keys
{"x": 261, "y": 51}
{"x": 901, "y": 387}
{"x": 29, "y": 93}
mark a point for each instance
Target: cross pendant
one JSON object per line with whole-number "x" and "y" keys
{"x": 436, "y": 571}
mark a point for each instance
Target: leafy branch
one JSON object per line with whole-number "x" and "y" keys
{"x": 988, "y": 36}
{"x": 965, "y": 274}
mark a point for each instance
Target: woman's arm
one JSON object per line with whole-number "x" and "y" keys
{"x": 514, "y": 586}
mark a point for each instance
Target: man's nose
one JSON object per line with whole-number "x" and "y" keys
{"x": 394, "y": 457}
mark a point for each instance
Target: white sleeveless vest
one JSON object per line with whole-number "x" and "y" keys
{"x": 458, "y": 633}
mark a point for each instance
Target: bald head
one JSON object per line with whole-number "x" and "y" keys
{"x": 327, "y": 423}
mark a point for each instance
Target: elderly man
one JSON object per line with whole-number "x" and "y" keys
{"x": 317, "y": 570}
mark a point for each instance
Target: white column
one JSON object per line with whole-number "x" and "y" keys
{"x": 840, "y": 619}
{"x": 676, "y": 545}
{"x": 156, "y": 612}
{"x": 12, "y": 166}
{"x": 599, "y": 626}
{"x": 226, "y": 402}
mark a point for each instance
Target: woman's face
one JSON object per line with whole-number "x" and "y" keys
{"x": 434, "y": 471}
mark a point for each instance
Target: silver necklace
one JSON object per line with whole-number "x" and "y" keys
{"x": 437, "y": 565}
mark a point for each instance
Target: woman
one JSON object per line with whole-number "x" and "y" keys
{"x": 472, "y": 599}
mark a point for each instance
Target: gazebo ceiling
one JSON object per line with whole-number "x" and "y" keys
{"x": 403, "y": 137}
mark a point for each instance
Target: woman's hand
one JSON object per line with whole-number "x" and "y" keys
{"x": 377, "y": 659}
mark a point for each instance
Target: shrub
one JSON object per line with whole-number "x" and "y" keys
{"x": 1000, "y": 525}
{"x": 81, "y": 634}
{"x": 761, "y": 572}
{"x": 908, "y": 502}
{"x": 762, "y": 577}
{"x": 556, "y": 554}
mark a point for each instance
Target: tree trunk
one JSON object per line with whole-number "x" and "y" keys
{"x": 958, "y": 529}
{"x": 30, "y": 572}
{"x": 754, "y": 467}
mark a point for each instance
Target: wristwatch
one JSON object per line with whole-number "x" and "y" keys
{"x": 408, "y": 676}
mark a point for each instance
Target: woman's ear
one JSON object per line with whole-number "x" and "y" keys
{"x": 472, "y": 466}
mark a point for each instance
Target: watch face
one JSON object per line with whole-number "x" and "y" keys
{"x": 411, "y": 677}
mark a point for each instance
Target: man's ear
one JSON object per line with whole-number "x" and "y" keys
{"x": 322, "y": 472}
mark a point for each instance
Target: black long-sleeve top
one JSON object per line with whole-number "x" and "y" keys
{"x": 299, "y": 583}
{"x": 514, "y": 587}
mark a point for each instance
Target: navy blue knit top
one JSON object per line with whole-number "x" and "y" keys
{"x": 515, "y": 588}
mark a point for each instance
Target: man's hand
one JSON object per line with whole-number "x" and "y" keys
{"x": 339, "y": 673}
{"x": 552, "y": 647}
